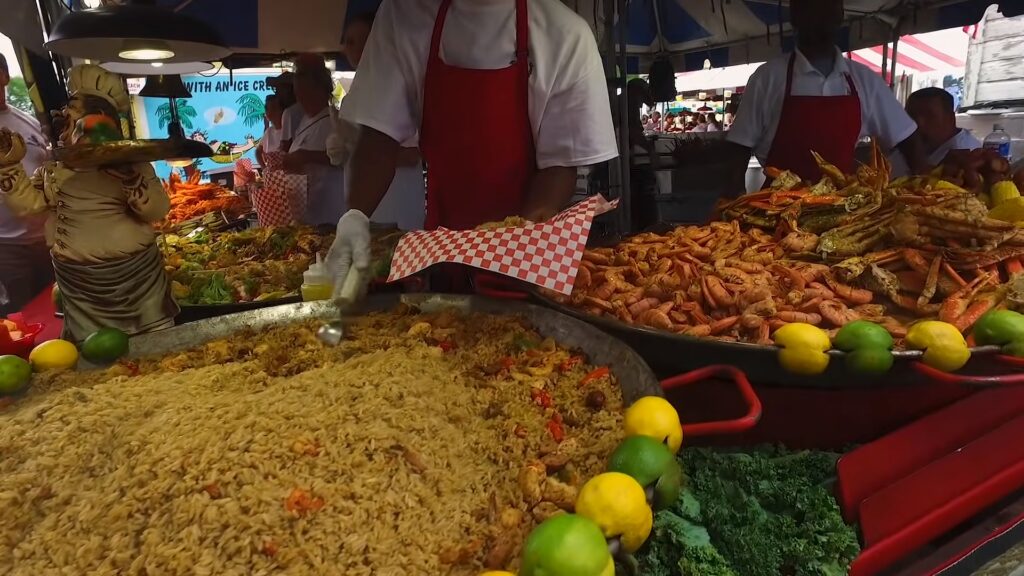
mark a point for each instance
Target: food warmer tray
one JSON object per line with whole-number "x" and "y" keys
{"x": 669, "y": 353}
{"x": 634, "y": 376}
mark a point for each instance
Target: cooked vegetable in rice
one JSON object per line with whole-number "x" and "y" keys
{"x": 253, "y": 265}
{"x": 423, "y": 444}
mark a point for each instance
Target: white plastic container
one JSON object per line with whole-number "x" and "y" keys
{"x": 317, "y": 283}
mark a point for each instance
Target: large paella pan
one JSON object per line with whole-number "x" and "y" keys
{"x": 429, "y": 442}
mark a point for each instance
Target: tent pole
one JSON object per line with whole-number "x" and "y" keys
{"x": 885, "y": 59}
{"x": 895, "y": 48}
{"x": 624, "y": 149}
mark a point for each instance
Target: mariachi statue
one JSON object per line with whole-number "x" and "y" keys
{"x": 100, "y": 228}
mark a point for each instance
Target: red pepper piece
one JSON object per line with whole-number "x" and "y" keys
{"x": 596, "y": 374}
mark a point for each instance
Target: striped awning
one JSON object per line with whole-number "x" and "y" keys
{"x": 940, "y": 51}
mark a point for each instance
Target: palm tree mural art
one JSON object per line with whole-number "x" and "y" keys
{"x": 250, "y": 109}
{"x": 185, "y": 113}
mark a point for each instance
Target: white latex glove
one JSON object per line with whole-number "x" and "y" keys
{"x": 341, "y": 139}
{"x": 350, "y": 250}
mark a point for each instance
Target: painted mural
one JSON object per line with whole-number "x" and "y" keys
{"x": 223, "y": 112}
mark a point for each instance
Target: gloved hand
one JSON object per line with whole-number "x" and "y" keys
{"x": 341, "y": 139}
{"x": 351, "y": 249}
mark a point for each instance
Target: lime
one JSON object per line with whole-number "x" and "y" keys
{"x": 655, "y": 417}
{"x": 15, "y": 374}
{"x": 1015, "y": 348}
{"x": 861, "y": 334}
{"x": 58, "y": 300}
{"x": 999, "y": 327}
{"x": 566, "y": 545}
{"x": 652, "y": 464}
{"x": 869, "y": 360}
{"x": 105, "y": 345}
{"x": 618, "y": 504}
{"x": 53, "y": 355}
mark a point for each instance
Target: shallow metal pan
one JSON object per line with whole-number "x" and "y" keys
{"x": 667, "y": 353}
{"x": 634, "y": 376}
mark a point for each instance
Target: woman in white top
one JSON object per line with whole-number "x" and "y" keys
{"x": 405, "y": 202}
{"x": 307, "y": 154}
{"x": 271, "y": 139}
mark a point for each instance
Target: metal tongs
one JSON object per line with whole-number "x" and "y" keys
{"x": 352, "y": 291}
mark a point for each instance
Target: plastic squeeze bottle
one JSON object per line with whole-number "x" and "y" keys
{"x": 1000, "y": 141}
{"x": 316, "y": 282}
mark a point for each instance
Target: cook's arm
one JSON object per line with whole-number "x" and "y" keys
{"x": 372, "y": 168}
{"x": 550, "y": 191}
{"x": 146, "y": 196}
{"x": 298, "y": 160}
{"x": 23, "y": 195}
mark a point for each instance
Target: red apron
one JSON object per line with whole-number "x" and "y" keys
{"x": 476, "y": 135}
{"x": 828, "y": 125}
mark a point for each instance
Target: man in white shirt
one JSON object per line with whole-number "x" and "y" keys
{"x": 283, "y": 86}
{"x": 816, "y": 100}
{"x": 933, "y": 110}
{"x": 25, "y": 265}
{"x": 307, "y": 152}
{"x": 404, "y": 204}
{"x": 508, "y": 98}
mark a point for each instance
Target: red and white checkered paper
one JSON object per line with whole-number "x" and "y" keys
{"x": 244, "y": 173}
{"x": 281, "y": 200}
{"x": 547, "y": 254}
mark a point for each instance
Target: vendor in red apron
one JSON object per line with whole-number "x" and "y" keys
{"x": 814, "y": 99}
{"x": 507, "y": 98}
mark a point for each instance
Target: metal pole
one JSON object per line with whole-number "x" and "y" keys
{"x": 895, "y": 48}
{"x": 624, "y": 149}
{"x": 885, "y": 59}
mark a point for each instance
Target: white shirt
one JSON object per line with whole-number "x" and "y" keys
{"x": 12, "y": 228}
{"x": 882, "y": 116}
{"x": 271, "y": 140}
{"x": 290, "y": 120}
{"x": 569, "y": 105}
{"x": 326, "y": 199}
{"x": 963, "y": 140}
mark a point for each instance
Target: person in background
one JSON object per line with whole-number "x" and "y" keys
{"x": 638, "y": 95}
{"x": 814, "y": 99}
{"x": 701, "y": 124}
{"x": 656, "y": 124}
{"x": 447, "y": 71}
{"x": 714, "y": 124}
{"x": 25, "y": 266}
{"x": 307, "y": 152}
{"x": 284, "y": 88}
{"x": 730, "y": 114}
{"x": 271, "y": 139}
{"x": 405, "y": 202}
{"x": 933, "y": 110}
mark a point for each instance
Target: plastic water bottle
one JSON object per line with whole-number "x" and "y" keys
{"x": 999, "y": 140}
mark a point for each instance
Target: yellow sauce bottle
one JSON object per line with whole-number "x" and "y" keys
{"x": 317, "y": 283}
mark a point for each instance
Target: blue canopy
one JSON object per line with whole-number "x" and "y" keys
{"x": 725, "y": 32}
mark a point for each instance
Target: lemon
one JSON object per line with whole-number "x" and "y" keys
{"x": 654, "y": 417}
{"x": 803, "y": 348}
{"x": 15, "y": 374}
{"x": 53, "y": 355}
{"x": 618, "y": 505}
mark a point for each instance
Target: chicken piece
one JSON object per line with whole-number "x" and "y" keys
{"x": 545, "y": 510}
{"x": 531, "y": 481}
{"x": 559, "y": 494}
